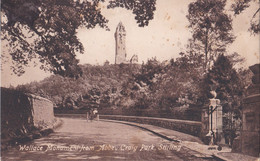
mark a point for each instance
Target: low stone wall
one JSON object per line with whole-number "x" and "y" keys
{"x": 79, "y": 116}
{"x": 185, "y": 126}
{"x": 188, "y": 127}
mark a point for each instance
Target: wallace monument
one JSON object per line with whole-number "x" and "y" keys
{"x": 120, "y": 55}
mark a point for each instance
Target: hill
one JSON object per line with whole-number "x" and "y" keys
{"x": 96, "y": 88}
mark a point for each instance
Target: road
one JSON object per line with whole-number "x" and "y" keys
{"x": 78, "y": 139}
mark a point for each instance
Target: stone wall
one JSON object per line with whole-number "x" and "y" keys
{"x": 185, "y": 126}
{"x": 42, "y": 111}
{"x": 188, "y": 127}
{"x": 22, "y": 113}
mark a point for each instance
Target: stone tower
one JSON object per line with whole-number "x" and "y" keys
{"x": 120, "y": 34}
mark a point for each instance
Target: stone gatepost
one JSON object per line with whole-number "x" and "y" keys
{"x": 212, "y": 122}
{"x": 249, "y": 138}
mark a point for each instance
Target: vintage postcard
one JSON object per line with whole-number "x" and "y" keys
{"x": 130, "y": 80}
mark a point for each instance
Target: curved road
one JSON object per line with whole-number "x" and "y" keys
{"x": 78, "y": 139}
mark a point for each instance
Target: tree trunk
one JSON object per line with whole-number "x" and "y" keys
{"x": 206, "y": 51}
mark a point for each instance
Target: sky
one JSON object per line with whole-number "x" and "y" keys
{"x": 164, "y": 38}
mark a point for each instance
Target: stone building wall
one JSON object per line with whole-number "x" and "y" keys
{"x": 249, "y": 139}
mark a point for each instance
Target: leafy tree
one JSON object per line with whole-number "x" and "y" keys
{"x": 160, "y": 86}
{"x": 180, "y": 80}
{"x": 140, "y": 86}
{"x": 227, "y": 83}
{"x": 92, "y": 98}
{"x": 94, "y": 88}
{"x": 143, "y": 10}
{"x": 211, "y": 28}
{"x": 239, "y": 6}
{"x": 225, "y": 79}
{"x": 46, "y": 29}
{"x": 149, "y": 71}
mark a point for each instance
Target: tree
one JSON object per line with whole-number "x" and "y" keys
{"x": 239, "y": 6}
{"x": 211, "y": 28}
{"x": 46, "y": 29}
{"x": 144, "y": 10}
{"x": 229, "y": 87}
{"x": 224, "y": 78}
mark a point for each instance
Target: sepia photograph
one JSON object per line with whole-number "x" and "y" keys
{"x": 134, "y": 80}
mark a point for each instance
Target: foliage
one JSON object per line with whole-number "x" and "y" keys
{"x": 175, "y": 88}
{"x": 143, "y": 10}
{"x": 46, "y": 29}
{"x": 239, "y": 6}
{"x": 97, "y": 86}
{"x": 153, "y": 85}
{"x": 224, "y": 79}
{"x": 211, "y": 28}
{"x": 230, "y": 88}
{"x": 16, "y": 114}
{"x": 166, "y": 86}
